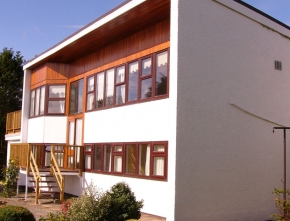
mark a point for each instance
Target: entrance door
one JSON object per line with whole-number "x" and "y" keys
{"x": 75, "y": 136}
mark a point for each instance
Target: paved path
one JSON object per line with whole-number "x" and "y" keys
{"x": 47, "y": 206}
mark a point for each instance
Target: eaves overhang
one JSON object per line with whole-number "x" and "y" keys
{"x": 125, "y": 19}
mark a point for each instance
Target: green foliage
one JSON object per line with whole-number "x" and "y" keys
{"x": 10, "y": 174}
{"x": 117, "y": 204}
{"x": 11, "y": 81}
{"x": 54, "y": 217}
{"x": 122, "y": 204}
{"x": 15, "y": 213}
{"x": 282, "y": 205}
{"x": 86, "y": 207}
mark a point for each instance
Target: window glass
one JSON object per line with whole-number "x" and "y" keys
{"x": 120, "y": 74}
{"x": 97, "y": 158}
{"x": 32, "y": 103}
{"x": 91, "y": 82}
{"x": 161, "y": 73}
{"x": 118, "y": 148}
{"x": 133, "y": 81}
{"x": 107, "y": 158}
{"x": 42, "y": 100}
{"x": 90, "y": 101}
{"x": 159, "y": 148}
{"x": 144, "y": 159}
{"x": 120, "y": 94}
{"x": 56, "y": 91}
{"x": 56, "y": 107}
{"x": 100, "y": 90}
{"x": 146, "y": 66}
{"x": 76, "y": 96}
{"x": 110, "y": 87}
{"x": 117, "y": 163}
{"x": 37, "y": 101}
{"x": 88, "y": 161}
{"x": 130, "y": 158}
{"x": 158, "y": 166}
{"x": 146, "y": 88}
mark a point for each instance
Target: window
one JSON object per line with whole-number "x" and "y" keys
{"x": 37, "y": 101}
{"x": 53, "y": 103}
{"x": 56, "y": 99}
{"x": 76, "y": 96}
{"x": 144, "y": 160}
{"x": 137, "y": 81}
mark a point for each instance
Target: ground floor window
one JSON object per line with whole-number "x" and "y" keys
{"x": 135, "y": 159}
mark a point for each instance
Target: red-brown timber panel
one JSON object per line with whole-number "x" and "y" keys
{"x": 51, "y": 73}
{"x": 148, "y": 38}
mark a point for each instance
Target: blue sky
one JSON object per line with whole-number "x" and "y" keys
{"x": 33, "y": 26}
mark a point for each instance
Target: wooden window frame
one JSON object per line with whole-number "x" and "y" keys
{"x": 82, "y": 95}
{"x": 39, "y": 101}
{"x": 123, "y": 155}
{"x": 153, "y": 57}
{"x": 55, "y": 99}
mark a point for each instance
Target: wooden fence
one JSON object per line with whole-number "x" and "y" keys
{"x": 13, "y": 122}
{"x": 20, "y": 152}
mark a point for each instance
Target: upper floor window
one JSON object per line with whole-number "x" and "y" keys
{"x": 140, "y": 80}
{"x": 56, "y": 99}
{"x": 53, "y": 103}
{"x": 76, "y": 96}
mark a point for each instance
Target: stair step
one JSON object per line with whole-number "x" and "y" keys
{"x": 44, "y": 186}
{"x": 49, "y": 192}
{"x": 43, "y": 181}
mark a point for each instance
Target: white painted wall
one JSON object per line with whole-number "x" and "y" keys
{"x": 47, "y": 130}
{"x": 228, "y": 162}
{"x": 148, "y": 121}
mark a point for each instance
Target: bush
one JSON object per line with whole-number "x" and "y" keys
{"x": 15, "y": 213}
{"x": 86, "y": 206}
{"x": 117, "y": 204}
{"x": 10, "y": 174}
{"x": 120, "y": 204}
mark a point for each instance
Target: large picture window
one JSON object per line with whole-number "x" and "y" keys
{"x": 141, "y": 80}
{"x": 145, "y": 159}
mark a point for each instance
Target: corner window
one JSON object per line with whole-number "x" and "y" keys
{"x": 37, "y": 101}
{"x": 76, "y": 97}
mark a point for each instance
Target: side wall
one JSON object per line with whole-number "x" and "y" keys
{"x": 228, "y": 161}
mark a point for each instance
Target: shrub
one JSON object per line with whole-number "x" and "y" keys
{"x": 122, "y": 204}
{"x": 117, "y": 204}
{"x": 282, "y": 205}
{"x": 58, "y": 216}
{"x": 86, "y": 207}
{"x": 10, "y": 174}
{"x": 15, "y": 213}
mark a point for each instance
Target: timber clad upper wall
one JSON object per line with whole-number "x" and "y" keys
{"x": 49, "y": 74}
{"x": 152, "y": 36}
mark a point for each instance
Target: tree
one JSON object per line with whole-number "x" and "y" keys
{"x": 11, "y": 81}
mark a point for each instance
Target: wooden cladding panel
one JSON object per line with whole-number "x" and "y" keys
{"x": 51, "y": 72}
{"x": 148, "y": 38}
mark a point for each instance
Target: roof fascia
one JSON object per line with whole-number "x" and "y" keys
{"x": 256, "y": 15}
{"x": 115, "y": 13}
